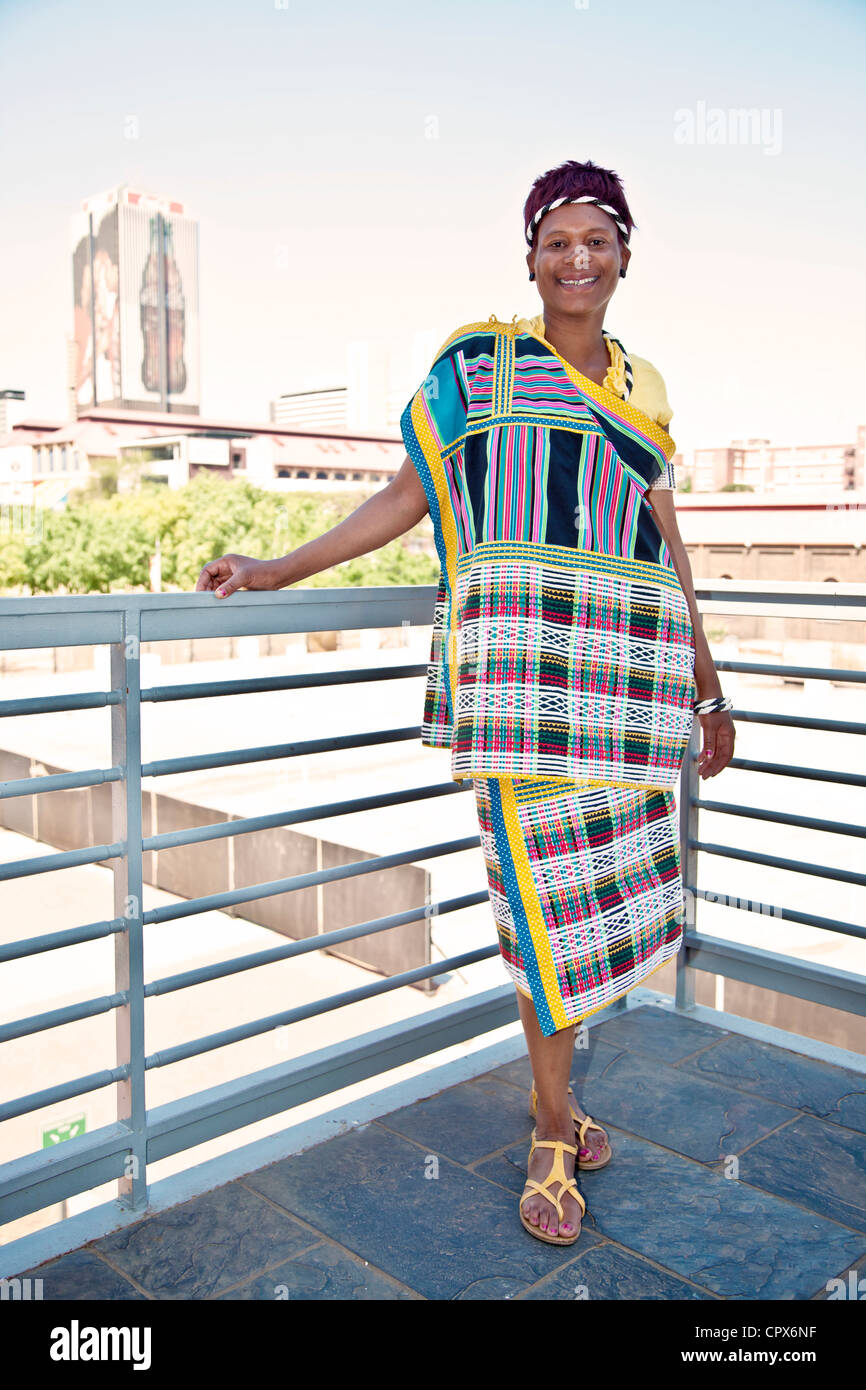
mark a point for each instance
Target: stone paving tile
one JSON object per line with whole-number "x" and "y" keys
{"x": 722, "y": 1235}
{"x": 466, "y": 1121}
{"x": 694, "y": 1117}
{"x": 830, "y": 1093}
{"x": 657, "y": 1032}
{"x": 849, "y": 1285}
{"x": 820, "y": 1166}
{"x": 200, "y": 1247}
{"x": 82, "y": 1275}
{"x": 324, "y": 1272}
{"x": 488, "y": 1290}
{"x": 607, "y": 1272}
{"x": 367, "y": 1189}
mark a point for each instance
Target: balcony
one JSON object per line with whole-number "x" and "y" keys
{"x": 394, "y": 1156}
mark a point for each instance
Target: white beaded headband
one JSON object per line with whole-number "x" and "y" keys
{"x": 587, "y": 198}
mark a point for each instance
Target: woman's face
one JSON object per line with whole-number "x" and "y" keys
{"x": 577, "y": 257}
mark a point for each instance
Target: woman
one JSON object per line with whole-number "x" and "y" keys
{"x": 567, "y": 647}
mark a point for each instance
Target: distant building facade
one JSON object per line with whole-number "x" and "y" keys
{"x": 767, "y": 467}
{"x": 764, "y": 536}
{"x": 43, "y": 462}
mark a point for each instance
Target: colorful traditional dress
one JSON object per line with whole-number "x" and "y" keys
{"x": 562, "y": 664}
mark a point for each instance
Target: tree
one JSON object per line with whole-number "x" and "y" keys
{"x": 104, "y": 544}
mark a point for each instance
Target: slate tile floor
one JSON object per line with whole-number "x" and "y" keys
{"x": 738, "y": 1173}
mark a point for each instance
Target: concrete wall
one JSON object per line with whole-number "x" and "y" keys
{"x": 79, "y": 817}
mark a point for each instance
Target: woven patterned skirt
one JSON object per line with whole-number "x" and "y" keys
{"x": 586, "y": 889}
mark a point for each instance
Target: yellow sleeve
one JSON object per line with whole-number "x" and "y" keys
{"x": 649, "y": 393}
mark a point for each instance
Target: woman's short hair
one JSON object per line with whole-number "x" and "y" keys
{"x": 575, "y": 180}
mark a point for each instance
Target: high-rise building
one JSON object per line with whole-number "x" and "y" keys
{"x": 135, "y": 296}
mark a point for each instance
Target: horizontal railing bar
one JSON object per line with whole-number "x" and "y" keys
{"x": 40, "y": 1179}
{"x": 64, "y": 859}
{"x": 227, "y": 1036}
{"x": 811, "y": 774}
{"x": 13, "y": 608}
{"x": 834, "y": 827}
{"x": 179, "y": 1125}
{"x": 796, "y": 598}
{"x": 55, "y": 940}
{"x": 780, "y": 914}
{"x": 60, "y": 781}
{"x": 813, "y": 673}
{"x": 236, "y": 757}
{"x": 99, "y": 619}
{"x": 822, "y": 984}
{"x": 259, "y": 684}
{"x": 198, "y": 833}
{"x": 773, "y": 861}
{"x": 794, "y": 721}
{"x": 51, "y": 704}
{"x": 192, "y": 906}
{"x": 55, "y": 1018}
{"x": 67, "y": 1090}
{"x": 319, "y": 942}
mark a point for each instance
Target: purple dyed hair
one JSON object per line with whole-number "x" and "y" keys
{"x": 573, "y": 180}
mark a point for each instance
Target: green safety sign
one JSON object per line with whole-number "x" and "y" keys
{"x": 66, "y": 1129}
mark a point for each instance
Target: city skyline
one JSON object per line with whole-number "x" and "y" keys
{"x": 365, "y": 181}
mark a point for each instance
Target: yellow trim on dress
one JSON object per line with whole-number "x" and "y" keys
{"x": 605, "y": 397}
{"x": 430, "y": 450}
{"x": 531, "y": 903}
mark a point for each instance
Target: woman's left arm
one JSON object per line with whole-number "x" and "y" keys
{"x": 718, "y": 729}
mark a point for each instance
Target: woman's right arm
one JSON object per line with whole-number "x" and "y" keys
{"x": 386, "y": 515}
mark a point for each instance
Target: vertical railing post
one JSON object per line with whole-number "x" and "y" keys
{"x": 126, "y": 827}
{"x": 689, "y": 786}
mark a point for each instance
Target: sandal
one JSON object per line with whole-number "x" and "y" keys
{"x": 581, "y": 1126}
{"x": 556, "y": 1174}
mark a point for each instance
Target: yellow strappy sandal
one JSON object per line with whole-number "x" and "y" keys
{"x": 580, "y": 1126}
{"x": 556, "y": 1174}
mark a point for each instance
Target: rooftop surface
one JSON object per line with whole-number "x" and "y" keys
{"x": 738, "y": 1172}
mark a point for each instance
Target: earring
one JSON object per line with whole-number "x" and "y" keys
{"x": 532, "y": 274}
{"x": 622, "y": 275}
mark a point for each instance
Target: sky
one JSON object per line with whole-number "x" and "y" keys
{"x": 359, "y": 172}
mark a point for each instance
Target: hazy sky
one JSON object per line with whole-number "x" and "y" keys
{"x": 360, "y": 171}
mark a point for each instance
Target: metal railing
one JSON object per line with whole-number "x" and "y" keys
{"x": 121, "y": 1151}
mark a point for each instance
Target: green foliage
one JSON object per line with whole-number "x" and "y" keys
{"x": 103, "y": 544}
{"x": 736, "y": 487}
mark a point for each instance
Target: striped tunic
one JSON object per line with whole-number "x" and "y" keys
{"x": 562, "y": 646}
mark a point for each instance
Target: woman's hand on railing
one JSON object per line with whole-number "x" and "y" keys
{"x": 718, "y": 731}
{"x": 232, "y": 572}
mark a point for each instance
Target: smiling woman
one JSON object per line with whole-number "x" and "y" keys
{"x": 567, "y": 648}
